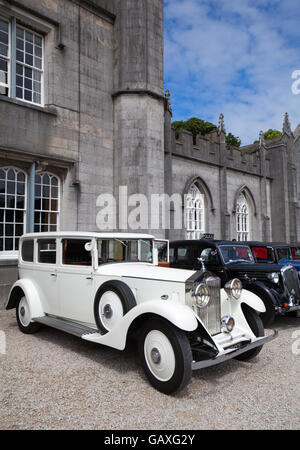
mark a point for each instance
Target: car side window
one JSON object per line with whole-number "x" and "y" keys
{"x": 47, "y": 251}
{"x": 27, "y": 250}
{"x": 184, "y": 254}
{"x": 74, "y": 252}
{"x": 209, "y": 255}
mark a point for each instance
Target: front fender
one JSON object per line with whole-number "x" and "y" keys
{"x": 28, "y": 288}
{"x": 179, "y": 315}
{"x": 252, "y": 300}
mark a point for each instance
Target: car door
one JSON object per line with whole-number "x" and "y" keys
{"x": 76, "y": 281}
{"x": 45, "y": 274}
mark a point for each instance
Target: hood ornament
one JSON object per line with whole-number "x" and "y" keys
{"x": 201, "y": 260}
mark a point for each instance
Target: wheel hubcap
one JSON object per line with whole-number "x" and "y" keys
{"x": 155, "y": 355}
{"x": 110, "y": 310}
{"x": 159, "y": 355}
{"x": 24, "y": 312}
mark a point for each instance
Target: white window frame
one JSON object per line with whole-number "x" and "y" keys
{"x": 13, "y": 254}
{"x": 57, "y": 213}
{"x": 242, "y": 219}
{"x": 41, "y": 71}
{"x": 195, "y": 213}
{"x": 11, "y": 61}
{"x": 7, "y": 58}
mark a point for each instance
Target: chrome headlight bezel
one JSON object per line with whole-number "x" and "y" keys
{"x": 234, "y": 288}
{"x": 202, "y": 296}
{"x": 274, "y": 277}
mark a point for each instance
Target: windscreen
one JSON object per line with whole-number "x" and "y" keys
{"x": 236, "y": 253}
{"x": 130, "y": 250}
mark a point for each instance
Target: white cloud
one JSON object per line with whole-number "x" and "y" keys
{"x": 235, "y": 57}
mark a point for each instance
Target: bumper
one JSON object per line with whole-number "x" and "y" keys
{"x": 283, "y": 310}
{"x": 233, "y": 353}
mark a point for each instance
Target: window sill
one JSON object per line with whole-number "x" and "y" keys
{"x": 48, "y": 110}
{"x": 8, "y": 261}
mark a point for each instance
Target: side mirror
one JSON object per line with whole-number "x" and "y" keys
{"x": 89, "y": 246}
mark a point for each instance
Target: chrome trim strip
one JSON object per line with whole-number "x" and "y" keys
{"x": 233, "y": 353}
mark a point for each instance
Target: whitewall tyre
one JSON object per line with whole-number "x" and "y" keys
{"x": 24, "y": 318}
{"x": 166, "y": 356}
{"x": 113, "y": 300}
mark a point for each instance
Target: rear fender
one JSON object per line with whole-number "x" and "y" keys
{"x": 21, "y": 288}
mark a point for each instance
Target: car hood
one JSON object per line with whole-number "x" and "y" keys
{"x": 146, "y": 271}
{"x": 261, "y": 267}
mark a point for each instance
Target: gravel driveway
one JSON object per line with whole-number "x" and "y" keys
{"x": 52, "y": 380}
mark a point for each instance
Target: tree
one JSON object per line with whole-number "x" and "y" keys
{"x": 195, "y": 126}
{"x": 270, "y": 134}
{"x": 233, "y": 141}
{"x": 198, "y": 126}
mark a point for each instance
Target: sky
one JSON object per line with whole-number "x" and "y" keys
{"x": 234, "y": 57}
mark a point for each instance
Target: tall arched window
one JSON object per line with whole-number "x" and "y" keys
{"x": 195, "y": 213}
{"x": 12, "y": 208}
{"x": 242, "y": 219}
{"x": 47, "y": 195}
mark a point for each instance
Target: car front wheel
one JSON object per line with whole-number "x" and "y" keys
{"x": 166, "y": 356}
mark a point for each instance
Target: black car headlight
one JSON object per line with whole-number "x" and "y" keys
{"x": 274, "y": 277}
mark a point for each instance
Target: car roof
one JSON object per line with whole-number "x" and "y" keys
{"x": 212, "y": 243}
{"x": 89, "y": 235}
{"x": 268, "y": 244}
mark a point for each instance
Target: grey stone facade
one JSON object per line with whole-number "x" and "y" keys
{"x": 106, "y": 122}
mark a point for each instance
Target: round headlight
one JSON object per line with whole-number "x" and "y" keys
{"x": 274, "y": 277}
{"x": 227, "y": 323}
{"x": 202, "y": 295}
{"x": 234, "y": 288}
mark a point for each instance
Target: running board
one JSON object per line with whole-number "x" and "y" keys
{"x": 69, "y": 327}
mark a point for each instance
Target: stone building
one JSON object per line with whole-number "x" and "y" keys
{"x": 83, "y": 111}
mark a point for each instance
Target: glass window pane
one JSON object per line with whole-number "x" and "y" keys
{"x": 28, "y": 36}
{"x": 3, "y": 50}
{"x": 38, "y": 40}
{"x": 9, "y": 245}
{"x": 28, "y": 83}
{"x": 20, "y": 56}
{"x": 27, "y": 250}
{"x": 29, "y": 48}
{"x": 10, "y": 201}
{"x": 20, "y": 32}
{"x": 20, "y": 44}
{"x": 37, "y": 63}
{"x": 9, "y": 216}
{"x": 37, "y": 98}
{"x": 19, "y": 92}
{"x": 38, "y": 51}
{"x": 3, "y": 26}
{"x": 29, "y": 59}
{"x": 3, "y": 37}
{"x": 19, "y": 81}
{"x": 28, "y": 72}
{"x": 28, "y": 95}
{"x": 2, "y": 186}
{"x": 2, "y": 201}
{"x": 11, "y": 175}
{"x": 19, "y": 69}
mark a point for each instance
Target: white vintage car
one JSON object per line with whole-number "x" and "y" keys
{"x": 107, "y": 288}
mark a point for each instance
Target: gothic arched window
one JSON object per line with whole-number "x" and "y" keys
{"x": 242, "y": 219}
{"x": 195, "y": 213}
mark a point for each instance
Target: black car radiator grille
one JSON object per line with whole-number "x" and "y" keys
{"x": 291, "y": 282}
{"x": 211, "y": 315}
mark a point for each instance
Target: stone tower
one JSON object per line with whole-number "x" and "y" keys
{"x": 138, "y": 99}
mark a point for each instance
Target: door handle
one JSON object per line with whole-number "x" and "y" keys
{"x": 53, "y": 274}
{"x": 90, "y": 278}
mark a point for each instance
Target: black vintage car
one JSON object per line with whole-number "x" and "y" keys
{"x": 274, "y": 252}
{"x": 276, "y": 285}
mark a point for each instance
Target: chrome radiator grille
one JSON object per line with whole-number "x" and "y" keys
{"x": 291, "y": 281}
{"x": 211, "y": 315}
